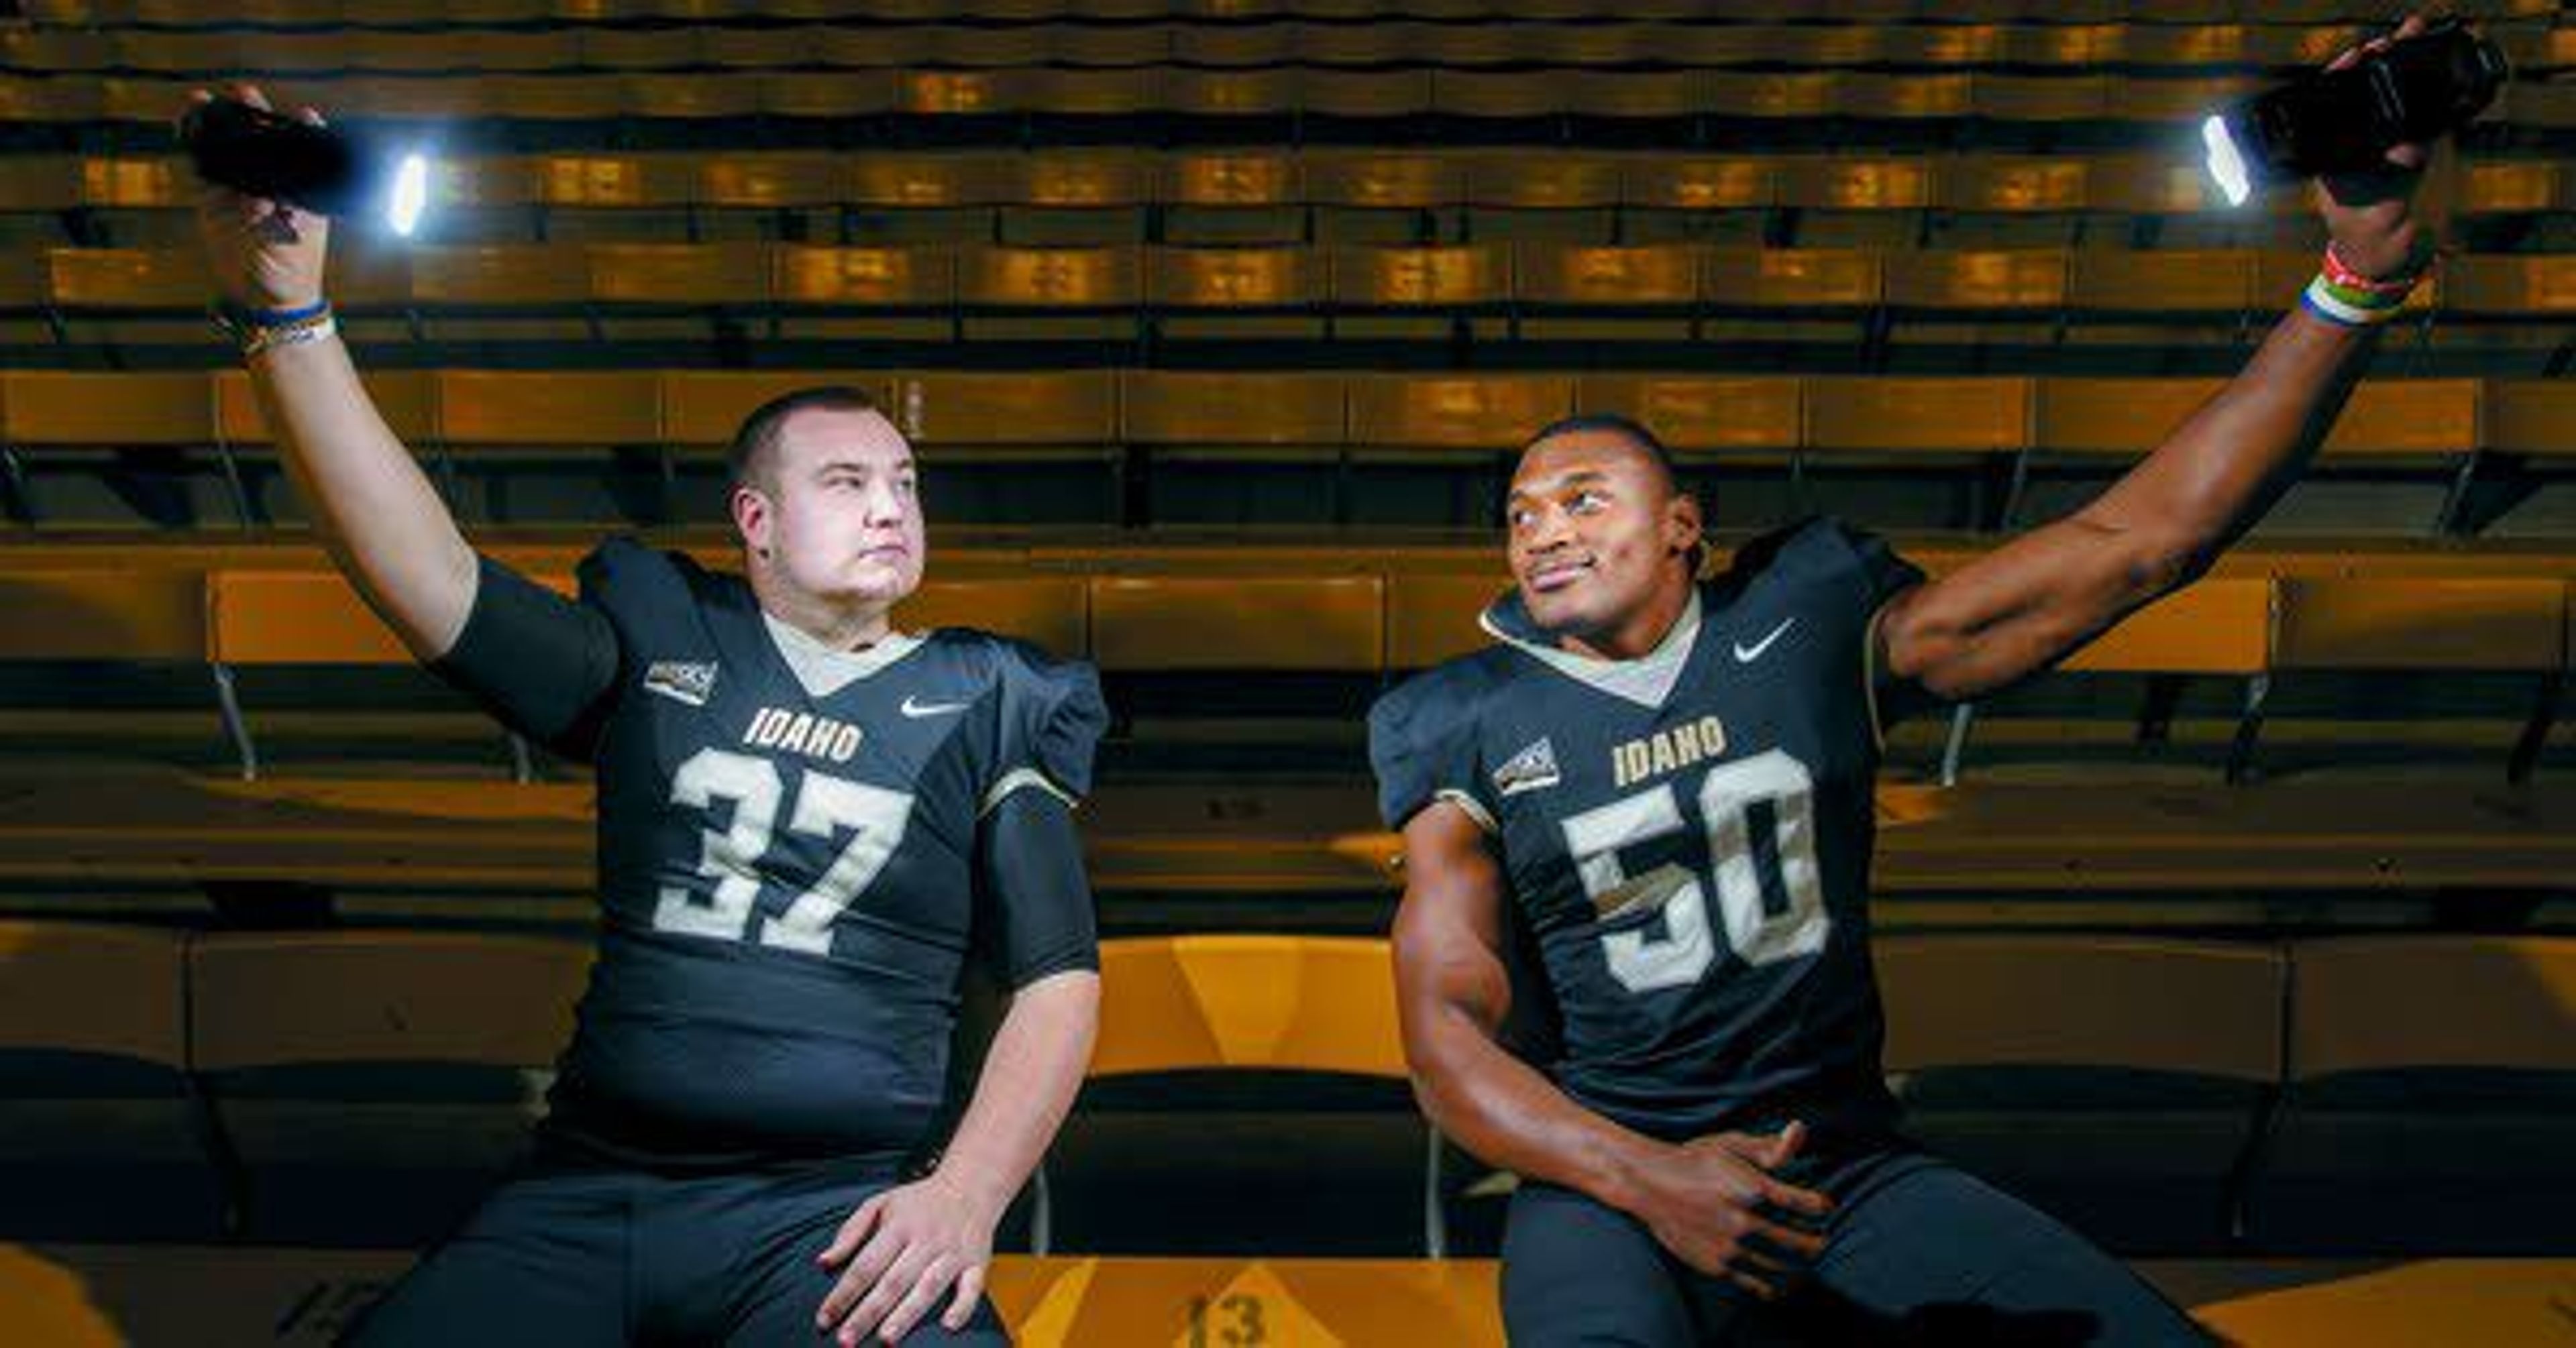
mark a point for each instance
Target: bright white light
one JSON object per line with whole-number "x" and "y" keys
{"x": 411, "y": 194}
{"x": 2226, "y": 166}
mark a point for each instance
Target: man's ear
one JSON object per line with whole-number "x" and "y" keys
{"x": 751, "y": 517}
{"x": 1682, "y": 523}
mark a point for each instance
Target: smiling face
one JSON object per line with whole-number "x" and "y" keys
{"x": 1601, "y": 540}
{"x": 831, "y": 510}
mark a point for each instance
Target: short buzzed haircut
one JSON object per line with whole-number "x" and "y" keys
{"x": 1634, "y": 432}
{"x": 748, "y": 458}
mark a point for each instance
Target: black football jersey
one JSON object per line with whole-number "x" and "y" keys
{"x": 1686, "y": 836}
{"x": 787, "y": 872}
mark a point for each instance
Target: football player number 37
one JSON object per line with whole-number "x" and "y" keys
{"x": 825, "y": 805}
{"x": 1755, "y": 931}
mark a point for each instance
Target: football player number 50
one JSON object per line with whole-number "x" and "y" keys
{"x": 826, "y": 805}
{"x": 1754, "y": 930}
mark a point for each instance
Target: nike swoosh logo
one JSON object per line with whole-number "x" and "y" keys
{"x": 1745, "y": 655}
{"x": 918, "y": 710}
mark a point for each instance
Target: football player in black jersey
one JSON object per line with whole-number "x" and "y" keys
{"x": 1653, "y": 794}
{"x": 809, "y": 824}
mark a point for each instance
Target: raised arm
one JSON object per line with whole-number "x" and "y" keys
{"x": 2042, "y": 595}
{"x": 387, "y": 529}
{"x": 1453, "y": 994}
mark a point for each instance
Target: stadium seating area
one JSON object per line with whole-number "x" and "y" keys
{"x": 2243, "y": 940}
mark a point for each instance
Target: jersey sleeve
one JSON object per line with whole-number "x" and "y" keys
{"x": 1422, "y": 745}
{"x": 1033, "y": 897}
{"x": 1052, "y": 717}
{"x": 541, "y": 664}
{"x": 1860, "y": 570}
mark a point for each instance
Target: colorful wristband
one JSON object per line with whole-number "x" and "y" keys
{"x": 245, "y": 318}
{"x": 2344, "y": 275}
{"x": 2339, "y": 306}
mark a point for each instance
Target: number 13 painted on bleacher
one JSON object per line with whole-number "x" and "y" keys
{"x": 1726, "y": 800}
{"x": 824, "y": 806}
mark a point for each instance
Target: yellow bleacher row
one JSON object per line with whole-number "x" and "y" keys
{"x": 107, "y": 1296}
{"x": 245, "y": 607}
{"x": 1272, "y": 179}
{"x": 2027, "y": 852}
{"x": 1323, "y": 609}
{"x": 1185, "y": 91}
{"x": 209, "y": 1008}
{"x": 1654, "y": 280}
{"x": 1294, "y": 413}
{"x": 404, "y": 13}
{"x": 221, "y": 1003}
{"x": 2533, "y": 50}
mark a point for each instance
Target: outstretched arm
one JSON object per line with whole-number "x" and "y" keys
{"x": 1702, "y": 1199}
{"x": 386, "y": 527}
{"x": 2041, "y": 596}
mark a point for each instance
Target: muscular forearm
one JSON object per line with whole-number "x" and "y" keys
{"x": 1508, "y": 1114}
{"x": 2225, "y": 466}
{"x": 1028, "y": 1082}
{"x": 2039, "y": 596}
{"x": 384, "y": 524}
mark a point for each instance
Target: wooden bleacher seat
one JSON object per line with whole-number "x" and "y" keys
{"x": 2115, "y": 1082}
{"x": 1255, "y": 292}
{"x": 2530, "y": 418}
{"x": 2446, "y": 626}
{"x": 1177, "y": 411}
{"x": 504, "y": 291}
{"x": 1007, "y": 415}
{"x": 50, "y": 418}
{"x": 2119, "y": 417}
{"x": 1964, "y": 415}
{"x": 2429, "y": 1081}
{"x": 1840, "y": 283}
{"x": 1488, "y": 413}
{"x": 1163, "y": 623}
{"x": 266, "y": 633}
{"x": 100, "y": 1135}
{"x": 406, "y": 1067}
{"x": 2384, "y": 838}
{"x": 1982, "y": 282}
{"x": 1321, "y": 1153}
{"x": 2217, "y": 627}
{"x": 510, "y": 409}
{"x": 140, "y": 616}
{"x": 105, "y": 664}
{"x": 1579, "y": 276}
{"x": 1706, "y": 415}
{"x": 1448, "y": 277}
{"x": 701, "y": 409}
{"x": 1033, "y": 293}
{"x": 863, "y": 293}
{"x": 2209, "y": 282}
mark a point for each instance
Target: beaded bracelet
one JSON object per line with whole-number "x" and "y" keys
{"x": 315, "y": 326}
